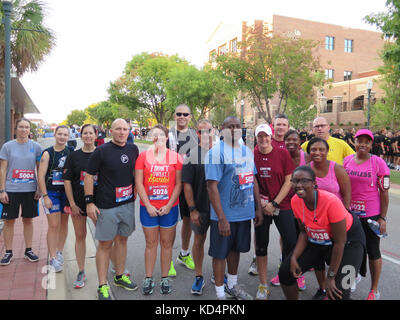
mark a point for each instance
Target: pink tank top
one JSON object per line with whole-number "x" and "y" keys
{"x": 329, "y": 182}
{"x": 302, "y": 158}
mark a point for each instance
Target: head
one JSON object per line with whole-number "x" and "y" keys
{"x": 119, "y": 131}
{"x": 321, "y": 128}
{"x": 263, "y": 134}
{"x": 292, "y": 140}
{"x": 22, "y": 128}
{"x": 205, "y": 132}
{"x": 281, "y": 125}
{"x": 182, "y": 116}
{"x": 363, "y": 140}
{"x": 159, "y": 135}
{"x": 61, "y": 134}
{"x": 88, "y": 134}
{"x": 231, "y": 129}
{"x": 303, "y": 181}
{"x": 318, "y": 150}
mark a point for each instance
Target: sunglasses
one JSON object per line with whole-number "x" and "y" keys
{"x": 205, "y": 131}
{"x": 180, "y": 114}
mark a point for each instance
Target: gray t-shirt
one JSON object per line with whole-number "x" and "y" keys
{"x": 21, "y": 168}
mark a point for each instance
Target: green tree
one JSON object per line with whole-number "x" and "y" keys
{"x": 104, "y": 113}
{"x": 28, "y": 48}
{"x": 77, "y": 117}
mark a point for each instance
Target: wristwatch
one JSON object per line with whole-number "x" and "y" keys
{"x": 2, "y": 191}
{"x": 331, "y": 274}
{"x": 275, "y": 204}
{"x": 192, "y": 209}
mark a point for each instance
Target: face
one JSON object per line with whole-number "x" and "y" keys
{"x": 23, "y": 129}
{"x": 263, "y": 140}
{"x": 62, "y": 136}
{"x": 158, "y": 137}
{"x": 120, "y": 131}
{"x": 318, "y": 152}
{"x": 302, "y": 184}
{"x": 205, "y": 133}
{"x": 88, "y": 135}
{"x": 182, "y": 116}
{"x": 232, "y": 130}
{"x": 363, "y": 144}
{"x": 292, "y": 142}
{"x": 321, "y": 128}
{"x": 281, "y": 126}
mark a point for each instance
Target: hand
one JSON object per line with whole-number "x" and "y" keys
{"x": 153, "y": 211}
{"x": 4, "y": 197}
{"x": 382, "y": 226}
{"x": 331, "y": 290}
{"x": 295, "y": 268}
{"x": 259, "y": 218}
{"x": 195, "y": 217}
{"x": 75, "y": 210}
{"x": 92, "y": 212}
{"x": 48, "y": 203}
{"x": 38, "y": 194}
{"x": 224, "y": 228}
{"x": 269, "y": 209}
{"x": 164, "y": 210}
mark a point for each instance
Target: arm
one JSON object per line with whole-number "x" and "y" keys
{"x": 3, "y": 175}
{"x": 91, "y": 209}
{"x": 269, "y": 208}
{"x": 43, "y": 166}
{"x": 259, "y": 216}
{"x": 215, "y": 199}
{"x": 142, "y": 193}
{"x": 344, "y": 184}
{"x": 194, "y": 215}
{"x": 175, "y": 194}
{"x": 384, "y": 199}
{"x": 38, "y": 194}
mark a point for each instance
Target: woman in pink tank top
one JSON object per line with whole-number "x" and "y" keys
{"x": 292, "y": 142}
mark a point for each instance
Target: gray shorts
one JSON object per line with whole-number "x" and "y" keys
{"x": 204, "y": 224}
{"x": 115, "y": 221}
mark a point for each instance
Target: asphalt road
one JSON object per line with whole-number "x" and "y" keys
{"x": 181, "y": 285}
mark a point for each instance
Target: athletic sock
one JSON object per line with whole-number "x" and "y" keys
{"x": 184, "y": 253}
{"x": 232, "y": 280}
{"x": 220, "y": 291}
{"x": 9, "y": 251}
{"x": 28, "y": 249}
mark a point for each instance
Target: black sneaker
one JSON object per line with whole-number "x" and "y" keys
{"x": 31, "y": 256}
{"x": 125, "y": 282}
{"x": 6, "y": 259}
{"x": 319, "y": 295}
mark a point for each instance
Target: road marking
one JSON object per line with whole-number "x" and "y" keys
{"x": 390, "y": 259}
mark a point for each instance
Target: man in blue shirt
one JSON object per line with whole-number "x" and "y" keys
{"x": 234, "y": 195}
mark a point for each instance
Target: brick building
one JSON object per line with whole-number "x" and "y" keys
{"x": 349, "y": 57}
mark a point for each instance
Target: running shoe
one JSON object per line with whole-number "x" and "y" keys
{"x": 253, "y": 268}
{"x": 126, "y": 272}
{"x": 165, "y": 285}
{"x": 56, "y": 265}
{"x": 225, "y": 279}
{"x": 354, "y": 286}
{"x": 60, "y": 257}
{"x": 125, "y": 282}
{"x": 262, "y": 292}
{"x": 172, "y": 271}
{"x": 198, "y": 285}
{"x": 103, "y": 293}
{"x": 187, "y": 261}
{"x": 238, "y": 293}
{"x": 31, "y": 256}
{"x": 320, "y": 295}
{"x": 6, "y": 259}
{"x": 148, "y": 286}
{"x": 275, "y": 281}
{"x": 301, "y": 283}
{"x": 80, "y": 280}
{"x": 374, "y": 295}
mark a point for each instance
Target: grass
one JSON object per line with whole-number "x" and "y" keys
{"x": 143, "y": 141}
{"x": 394, "y": 177}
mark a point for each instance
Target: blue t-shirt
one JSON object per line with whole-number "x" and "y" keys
{"x": 234, "y": 169}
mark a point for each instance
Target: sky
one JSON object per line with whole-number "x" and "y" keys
{"x": 96, "y": 38}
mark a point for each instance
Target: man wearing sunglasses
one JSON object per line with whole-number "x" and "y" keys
{"x": 182, "y": 139}
{"x": 338, "y": 149}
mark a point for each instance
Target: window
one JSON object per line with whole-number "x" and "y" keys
{"x": 329, "y": 74}
{"x": 347, "y": 75}
{"x": 222, "y": 50}
{"x": 358, "y": 103}
{"x": 212, "y": 56}
{"x": 233, "y": 45}
{"x": 348, "y": 45}
{"x": 329, "y": 43}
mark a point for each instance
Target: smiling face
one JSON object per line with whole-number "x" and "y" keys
{"x": 232, "y": 130}
{"x": 62, "y": 136}
{"x": 182, "y": 117}
{"x": 263, "y": 140}
{"x": 318, "y": 152}
{"x": 363, "y": 144}
{"x": 292, "y": 142}
{"x": 158, "y": 137}
{"x": 302, "y": 184}
{"x": 120, "y": 131}
{"x": 23, "y": 130}
{"x": 281, "y": 126}
{"x": 88, "y": 135}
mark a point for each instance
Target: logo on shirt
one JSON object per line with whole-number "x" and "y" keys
{"x": 124, "y": 158}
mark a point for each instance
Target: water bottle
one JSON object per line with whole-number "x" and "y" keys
{"x": 375, "y": 228}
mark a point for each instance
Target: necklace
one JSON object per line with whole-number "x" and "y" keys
{"x": 315, "y": 207}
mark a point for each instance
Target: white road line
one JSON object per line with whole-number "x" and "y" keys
{"x": 390, "y": 259}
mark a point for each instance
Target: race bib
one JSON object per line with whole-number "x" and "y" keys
{"x": 318, "y": 236}
{"x": 57, "y": 179}
{"x": 123, "y": 193}
{"x": 23, "y": 176}
{"x": 246, "y": 180}
{"x": 82, "y": 179}
{"x": 158, "y": 193}
{"x": 358, "y": 206}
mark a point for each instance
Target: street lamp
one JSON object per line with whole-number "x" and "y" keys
{"x": 241, "y": 111}
{"x": 369, "y": 88}
{"x": 7, "y": 8}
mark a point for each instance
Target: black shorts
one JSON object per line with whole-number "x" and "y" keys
{"x": 24, "y": 200}
{"x": 373, "y": 241}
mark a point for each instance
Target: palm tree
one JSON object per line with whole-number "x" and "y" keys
{"x": 28, "y": 48}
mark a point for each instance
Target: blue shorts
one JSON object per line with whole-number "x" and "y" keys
{"x": 167, "y": 221}
{"x": 59, "y": 200}
{"x": 238, "y": 241}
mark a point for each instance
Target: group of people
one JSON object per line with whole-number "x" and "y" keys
{"x": 319, "y": 194}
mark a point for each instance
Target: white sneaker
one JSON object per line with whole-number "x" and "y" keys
{"x": 60, "y": 257}
{"x": 56, "y": 265}
{"x": 253, "y": 268}
{"x": 262, "y": 292}
{"x": 358, "y": 279}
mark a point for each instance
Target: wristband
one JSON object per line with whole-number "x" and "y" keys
{"x": 45, "y": 195}
{"x": 89, "y": 199}
{"x": 275, "y": 204}
{"x": 192, "y": 209}
{"x": 383, "y": 218}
